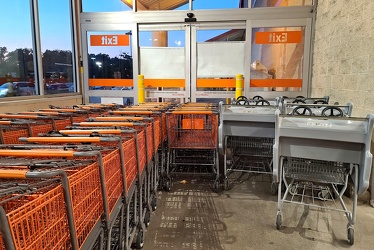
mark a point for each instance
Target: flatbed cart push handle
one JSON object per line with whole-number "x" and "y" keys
{"x": 37, "y": 153}
{"x": 60, "y": 139}
{"x": 190, "y": 112}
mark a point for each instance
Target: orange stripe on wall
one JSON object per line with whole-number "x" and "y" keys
{"x": 260, "y": 83}
{"x": 111, "y": 82}
{"x": 216, "y": 83}
{"x": 164, "y": 83}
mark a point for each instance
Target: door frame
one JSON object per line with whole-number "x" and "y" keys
{"x": 307, "y": 67}
{"x": 85, "y": 28}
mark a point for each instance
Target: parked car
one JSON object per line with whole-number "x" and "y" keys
{"x": 5, "y": 88}
{"x": 23, "y": 88}
{"x": 56, "y": 88}
{"x": 17, "y": 89}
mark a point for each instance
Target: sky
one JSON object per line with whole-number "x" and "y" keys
{"x": 55, "y": 33}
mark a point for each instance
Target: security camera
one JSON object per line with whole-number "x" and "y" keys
{"x": 190, "y": 17}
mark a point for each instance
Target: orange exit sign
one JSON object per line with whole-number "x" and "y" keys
{"x": 109, "y": 40}
{"x": 278, "y": 37}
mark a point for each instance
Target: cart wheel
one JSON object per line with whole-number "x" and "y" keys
{"x": 154, "y": 203}
{"x": 324, "y": 195}
{"x": 147, "y": 218}
{"x": 274, "y": 188}
{"x": 226, "y": 183}
{"x": 216, "y": 186}
{"x": 160, "y": 183}
{"x": 351, "y": 235}
{"x": 140, "y": 239}
{"x": 292, "y": 190}
{"x": 279, "y": 221}
{"x": 168, "y": 184}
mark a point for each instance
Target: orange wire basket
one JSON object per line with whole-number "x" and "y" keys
{"x": 192, "y": 131}
{"x": 11, "y": 134}
{"x": 38, "y": 223}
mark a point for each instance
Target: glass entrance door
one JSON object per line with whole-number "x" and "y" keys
{"x": 108, "y": 62}
{"x": 279, "y": 58}
{"x": 165, "y": 62}
{"x": 191, "y": 62}
{"x": 217, "y": 56}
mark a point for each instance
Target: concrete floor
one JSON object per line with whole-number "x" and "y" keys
{"x": 192, "y": 216}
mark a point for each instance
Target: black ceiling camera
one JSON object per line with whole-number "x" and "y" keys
{"x": 190, "y": 18}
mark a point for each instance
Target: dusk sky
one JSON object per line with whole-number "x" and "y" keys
{"x": 56, "y": 34}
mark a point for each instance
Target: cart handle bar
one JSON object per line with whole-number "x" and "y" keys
{"x": 13, "y": 174}
{"x": 39, "y": 113}
{"x": 104, "y": 124}
{"x": 88, "y": 132}
{"x": 19, "y": 116}
{"x": 37, "y": 153}
{"x": 118, "y": 118}
{"x": 60, "y": 139}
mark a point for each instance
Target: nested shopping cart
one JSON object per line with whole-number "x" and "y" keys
{"x": 192, "y": 143}
{"x": 87, "y": 192}
{"x": 146, "y": 166}
{"x": 128, "y": 223}
{"x": 11, "y": 131}
{"x": 315, "y": 157}
{"x": 38, "y": 124}
{"x": 118, "y": 169}
{"x": 36, "y": 209}
{"x": 77, "y": 115}
{"x": 246, "y": 138}
{"x": 160, "y": 139}
{"x": 152, "y": 139}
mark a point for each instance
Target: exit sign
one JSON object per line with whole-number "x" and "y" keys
{"x": 109, "y": 40}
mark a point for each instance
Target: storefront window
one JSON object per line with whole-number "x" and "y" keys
{"x": 57, "y": 46}
{"x": 16, "y": 53}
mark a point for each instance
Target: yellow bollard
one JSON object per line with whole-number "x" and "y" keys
{"x": 239, "y": 85}
{"x": 141, "y": 93}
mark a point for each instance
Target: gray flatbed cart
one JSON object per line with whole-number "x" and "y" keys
{"x": 318, "y": 109}
{"x": 315, "y": 157}
{"x": 307, "y": 100}
{"x": 246, "y": 135}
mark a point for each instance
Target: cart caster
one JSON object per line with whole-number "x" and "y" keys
{"x": 274, "y": 188}
{"x": 140, "y": 239}
{"x": 154, "y": 204}
{"x": 351, "y": 235}
{"x": 324, "y": 195}
{"x": 226, "y": 184}
{"x": 168, "y": 183}
{"x": 292, "y": 190}
{"x": 279, "y": 221}
{"x": 147, "y": 218}
{"x": 216, "y": 186}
